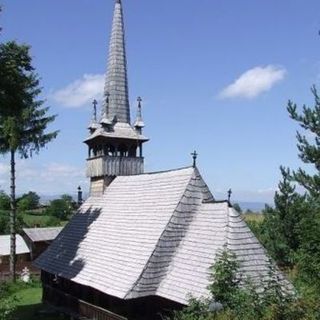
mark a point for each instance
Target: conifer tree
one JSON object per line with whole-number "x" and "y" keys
{"x": 308, "y": 145}
{"x": 309, "y": 152}
{"x": 281, "y": 227}
{"x": 23, "y": 120}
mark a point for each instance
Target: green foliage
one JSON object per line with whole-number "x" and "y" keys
{"x": 27, "y": 302}
{"x": 309, "y": 148}
{"x": 28, "y": 201}
{"x": 197, "y": 309}
{"x": 8, "y": 302}
{"x": 22, "y": 120}
{"x": 224, "y": 278}
{"x": 308, "y": 253}
{"x": 61, "y": 208}
{"x": 4, "y": 201}
{"x": 69, "y": 200}
{"x": 5, "y": 222}
{"x": 241, "y": 301}
{"x": 40, "y": 220}
{"x": 281, "y": 229}
{"x": 7, "y": 307}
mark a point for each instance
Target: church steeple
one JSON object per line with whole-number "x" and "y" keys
{"x": 115, "y": 147}
{"x": 117, "y": 80}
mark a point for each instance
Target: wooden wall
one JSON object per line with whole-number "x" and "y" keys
{"x": 82, "y": 299}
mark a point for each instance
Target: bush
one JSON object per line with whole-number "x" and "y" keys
{"x": 240, "y": 299}
{"x": 8, "y": 302}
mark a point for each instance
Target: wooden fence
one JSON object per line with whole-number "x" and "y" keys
{"x": 5, "y": 273}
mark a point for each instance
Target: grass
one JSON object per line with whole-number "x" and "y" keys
{"x": 253, "y": 217}
{"x": 39, "y": 220}
{"x": 32, "y": 220}
{"x": 29, "y": 304}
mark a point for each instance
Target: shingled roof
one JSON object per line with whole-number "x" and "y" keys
{"x": 42, "y": 234}
{"x": 21, "y": 246}
{"x": 152, "y": 234}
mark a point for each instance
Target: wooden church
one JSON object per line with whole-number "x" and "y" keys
{"x": 142, "y": 243}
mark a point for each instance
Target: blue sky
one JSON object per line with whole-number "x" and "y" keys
{"x": 214, "y": 75}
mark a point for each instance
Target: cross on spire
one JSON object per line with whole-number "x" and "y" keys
{"x": 229, "y": 194}
{"x": 139, "y": 115}
{"x": 194, "y": 157}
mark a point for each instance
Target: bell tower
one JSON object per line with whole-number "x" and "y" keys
{"x": 115, "y": 146}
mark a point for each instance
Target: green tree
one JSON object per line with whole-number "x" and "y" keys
{"x": 308, "y": 146}
{"x": 308, "y": 254}
{"x": 23, "y": 120}
{"x": 241, "y": 300}
{"x": 4, "y": 201}
{"x": 280, "y": 230}
{"x": 69, "y": 200}
{"x": 309, "y": 152}
{"x": 60, "y": 208}
{"x": 28, "y": 201}
{"x": 224, "y": 278}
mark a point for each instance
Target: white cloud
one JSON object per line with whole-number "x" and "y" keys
{"x": 253, "y": 82}
{"x": 48, "y": 179}
{"x": 81, "y": 91}
{"x": 4, "y": 169}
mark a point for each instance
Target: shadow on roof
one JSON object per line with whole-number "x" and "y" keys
{"x": 63, "y": 258}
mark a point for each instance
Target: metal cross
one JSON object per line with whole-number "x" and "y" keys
{"x": 194, "y": 157}
{"x": 229, "y": 194}
{"x": 95, "y": 103}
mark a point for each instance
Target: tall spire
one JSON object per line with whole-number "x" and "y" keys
{"x": 117, "y": 81}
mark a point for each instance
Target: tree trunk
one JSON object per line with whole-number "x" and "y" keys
{"x": 13, "y": 217}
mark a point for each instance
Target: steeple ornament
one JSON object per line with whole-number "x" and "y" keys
{"x": 139, "y": 124}
{"x": 93, "y": 126}
{"x": 194, "y": 157}
{"x": 229, "y": 194}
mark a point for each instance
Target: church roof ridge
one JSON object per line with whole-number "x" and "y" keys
{"x": 168, "y": 170}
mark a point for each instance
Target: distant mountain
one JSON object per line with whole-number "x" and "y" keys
{"x": 45, "y": 199}
{"x": 253, "y": 206}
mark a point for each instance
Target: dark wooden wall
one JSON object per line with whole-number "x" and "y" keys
{"x": 64, "y": 293}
